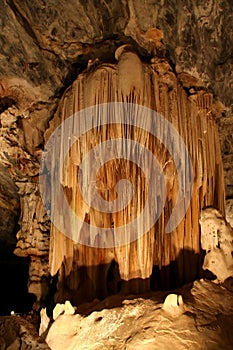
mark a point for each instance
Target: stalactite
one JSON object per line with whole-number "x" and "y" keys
{"x": 171, "y": 258}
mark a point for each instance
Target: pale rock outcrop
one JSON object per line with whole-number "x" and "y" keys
{"x": 173, "y": 305}
{"x": 44, "y": 321}
{"x": 58, "y": 310}
{"x": 217, "y": 240}
{"x": 66, "y": 309}
{"x": 69, "y": 309}
{"x": 220, "y": 263}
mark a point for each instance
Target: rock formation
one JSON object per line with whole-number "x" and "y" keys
{"x": 141, "y": 323}
{"x": 155, "y": 259}
{"x": 217, "y": 241}
{"x": 174, "y": 305}
{"x": 18, "y": 333}
{"x": 46, "y": 49}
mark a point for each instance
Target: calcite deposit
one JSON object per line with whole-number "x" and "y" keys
{"x": 155, "y": 256}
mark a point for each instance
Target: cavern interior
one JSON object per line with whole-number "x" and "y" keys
{"x": 116, "y": 174}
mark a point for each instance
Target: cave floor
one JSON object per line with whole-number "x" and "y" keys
{"x": 203, "y": 321}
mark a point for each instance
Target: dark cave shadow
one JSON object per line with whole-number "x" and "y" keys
{"x": 14, "y": 296}
{"x": 185, "y": 269}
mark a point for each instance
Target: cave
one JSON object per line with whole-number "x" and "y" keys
{"x": 116, "y": 156}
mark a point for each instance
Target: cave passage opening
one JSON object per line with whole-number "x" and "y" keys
{"x": 14, "y": 296}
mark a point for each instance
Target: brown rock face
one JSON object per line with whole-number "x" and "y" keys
{"x": 225, "y": 132}
{"x": 21, "y": 203}
{"x": 9, "y": 210}
{"x": 154, "y": 259}
{"x": 17, "y": 333}
{"x": 49, "y": 43}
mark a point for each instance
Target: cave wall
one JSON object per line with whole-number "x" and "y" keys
{"x": 44, "y": 47}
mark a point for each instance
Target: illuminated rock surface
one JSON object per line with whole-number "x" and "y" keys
{"x": 155, "y": 259}
{"x": 141, "y": 323}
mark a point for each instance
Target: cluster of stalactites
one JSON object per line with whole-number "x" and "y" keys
{"x": 155, "y": 86}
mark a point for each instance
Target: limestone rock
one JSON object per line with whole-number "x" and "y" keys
{"x": 21, "y": 93}
{"x": 44, "y": 321}
{"x": 9, "y": 210}
{"x": 15, "y": 345}
{"x": 17, "y": 333}
{"x": 217, "y": 240}
{"x": 2, "y": 343}
{"x": 225, "y": 126}
{"x": 68, "y": 308}
{"x": 141, "y": 323}
{"x": 130, "y": 72}
{"x": 49, "y": 52}
{"x": 33, "y": 236}
{"x": 173, "y": 304}
{"x": 23, "y": 168}
{"x": 38, "y": 283}
{"x": 33, "y": 239}
{"x": 62, "y": 331}
{"x": 220, "y": 263}
{"x": 229, "y": 211}
{"x": 58, "y": 310}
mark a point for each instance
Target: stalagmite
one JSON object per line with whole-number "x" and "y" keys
{"x": 155, "y": 259}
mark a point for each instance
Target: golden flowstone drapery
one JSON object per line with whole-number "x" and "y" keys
{"x": 156, "y": 259}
